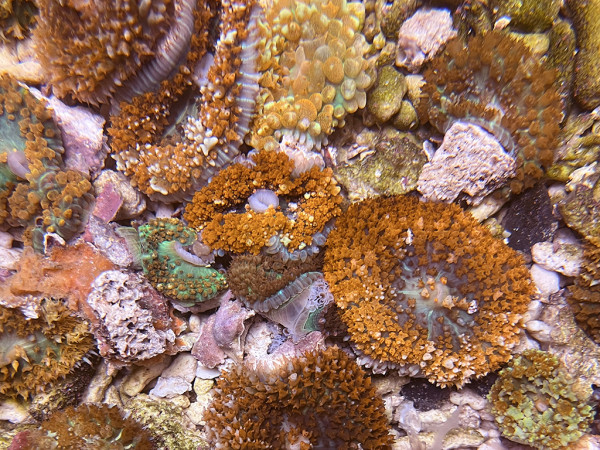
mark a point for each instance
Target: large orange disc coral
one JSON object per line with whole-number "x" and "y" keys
{"x": 423, "y": 285}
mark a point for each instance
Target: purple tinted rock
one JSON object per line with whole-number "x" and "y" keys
{"x": 108, "y": 203}
{"x": 206, "y": 349}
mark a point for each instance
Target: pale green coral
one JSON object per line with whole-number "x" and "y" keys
{"x": 534, "y": 402}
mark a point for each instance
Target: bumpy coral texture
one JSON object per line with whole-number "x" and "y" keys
{"x": 494, "y": 82}
{"x": 35, "y": 191}
{"x": 90, "y": 427}
{"x": 307, "y": 204}
{"x": 534, "y": 403}
{"x": 584, "y": 295}
{"x": 424, "y": 285}
{"x": 313, "y": 70}
{"x": 171, "y": 268}
{"x": 319, "y": 400}
{"x": 35, "y": 353}
{"x": 87, "y": 49}
{"x": 129, "y": 326}
{"x": 169, "y": 150}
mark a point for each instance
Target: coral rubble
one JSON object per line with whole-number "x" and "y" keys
{"x": 424, "y": 285}
{"x": 493, "y": 81}
{"x": 534, "y": 403}
{"x": 320, "y": 399}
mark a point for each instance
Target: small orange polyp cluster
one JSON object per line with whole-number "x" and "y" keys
{"x": 424, "y": 285}
{"x": 315, "y": 191}
{"x": 313, "y": 70}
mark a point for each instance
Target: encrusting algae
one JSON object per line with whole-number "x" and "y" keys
{"x": 424, "y": 285}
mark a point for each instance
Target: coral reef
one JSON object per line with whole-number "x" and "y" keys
{"x": 294, "y": 227}
{"x": 87, "y": 49}
{"x": 385, "y": 99}
{"x": 290, "y": 293}
{"x": 89, "y": 427}
{"x": 34, "y": 189}
{"x": 17, "y": 18}
{"x": 586, "y": 21}
{"x": 424, "y": 285}
{"x": 580, "y": 209}
{"x": 584, "y": 295}
{"x": 171, "y": 268}
{"x": 321, "y": 399}
{"x": 534, "y": 403}
{"x": 313, "y": 70}
{"x": 130, "y": 326}
{"x": 470, "y": 163}
{"x": 37, "y": 352}
{"x": 167, "y": 153}
{"x": 494, "y": 82}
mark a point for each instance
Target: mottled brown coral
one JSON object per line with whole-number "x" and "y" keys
{"x": 35, "y": 353}
{"x": 89, "y": 48}
{"x": 17, "y": 17}
{"x": 311, "y": 200}
{"x": 584, "y": 295}
{"x": 320, "y": 400}
{"x": 313, "y": 70}
{"x": 423, "y": 285}
{"x": 493, "y": 81}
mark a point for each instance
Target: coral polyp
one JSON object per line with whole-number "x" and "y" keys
{"x": 493, "y": 81}
{"x": 34, "y": 353}
{"x": 423, "y": 285}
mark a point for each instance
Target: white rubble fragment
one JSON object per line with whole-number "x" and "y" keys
{"x": 422, "y": 35}
{"x": 546, "y": 281}
{"x": 557, "y": 257}
{"x": 470, "y": 161}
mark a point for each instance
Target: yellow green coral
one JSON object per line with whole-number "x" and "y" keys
{"x": 534, "y": 403}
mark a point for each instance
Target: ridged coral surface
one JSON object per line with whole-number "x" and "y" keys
{"x": 534, "y": 403}
{"x": 424, "y": 285}
{"x": 321, "y": 399}
{"x": 310, "y": 201}
{"x": 35, "y": 353}
{"x": 493, "y": 81}
{"x": 313, "y": 70}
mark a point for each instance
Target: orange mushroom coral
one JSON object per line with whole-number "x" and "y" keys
{"x": 423, "y": 285}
